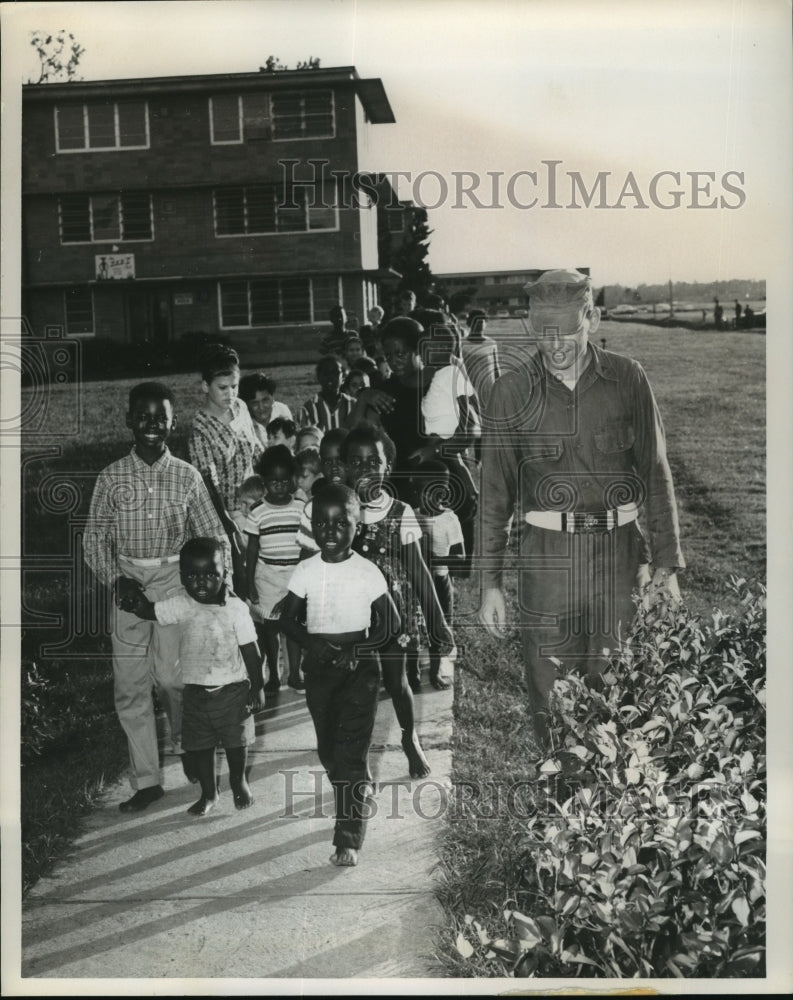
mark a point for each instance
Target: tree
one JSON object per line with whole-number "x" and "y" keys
{"x": 52, "y": 50}
{"x": 410, "y": 257}
{"x": 274, "y": 65}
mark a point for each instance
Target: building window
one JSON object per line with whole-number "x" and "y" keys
{"x": 101, "y": 125}
{"x": 395, "y": 218}
{"x": 104, "y": 218}
{"x": 270, "y": 208}
{"x": 268, "y": 301}
{"x": 79, "y": 310}
{"x": 225, "y": 119}
{"x": 303, "y": 114}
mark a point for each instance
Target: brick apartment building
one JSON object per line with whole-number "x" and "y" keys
{"x": 499, "y": 293}
{"x": 156, "y": 208}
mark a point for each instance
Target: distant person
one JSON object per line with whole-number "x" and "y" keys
{"x": 718, "y": 314}
{"x": 144, "y": 507}
{"x": 333, "y": 342}
{"x": 748, "y": 316}
{"x": 250, "y": 492}
{"x": 309, "y": 436}
{"x": 221, "y": 668}
{"x": 375, "y": 316}
{"x": 309, "y": 471}
{"x": 282, "y": 431}
{"x": 330, "y": 407}
{"x": 332, "y": 467}
{"x": 354, "y": 350}
{"x": 405, "y": 304}
{"x": 257, "y": 391}
{"x": 355, "y": 382}
{"x": 370, "y": 335}
{"x": 737, "y": 314}
{"x": 339, "y": 610}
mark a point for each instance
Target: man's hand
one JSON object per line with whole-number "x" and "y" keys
{"x": 377, "y": 400}
{"x": 493, "y": 612}
{"x": 662, "y": 593}
{"x": 127, "y": 593}
{"x": 426, "y": 451}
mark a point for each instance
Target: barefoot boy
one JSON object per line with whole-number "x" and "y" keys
{"x": 144, "y": 508}
{"x": 344, "y": 601}
{"x": 221, "y": 668}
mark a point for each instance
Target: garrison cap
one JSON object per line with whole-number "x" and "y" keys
{"x": 562, "y": 287}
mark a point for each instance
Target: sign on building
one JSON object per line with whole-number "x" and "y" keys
{"x": 111, "y": 266}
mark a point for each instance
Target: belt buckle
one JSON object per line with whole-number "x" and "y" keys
{"x": 589, "y": 523}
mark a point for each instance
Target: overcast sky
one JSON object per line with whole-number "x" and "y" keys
{"x": 630, "y": 89}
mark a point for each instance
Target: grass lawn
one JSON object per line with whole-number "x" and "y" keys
{"x": 710, "y": 388}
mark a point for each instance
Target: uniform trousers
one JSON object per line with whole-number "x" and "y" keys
{"x": 575, "y": 603}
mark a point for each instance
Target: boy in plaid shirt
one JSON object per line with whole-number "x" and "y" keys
{"x": 144, "y": 508}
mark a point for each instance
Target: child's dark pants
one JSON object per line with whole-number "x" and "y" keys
{"x": 444, "y": 588}
{"x": 343, "y": 705}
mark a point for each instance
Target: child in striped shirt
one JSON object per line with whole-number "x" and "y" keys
{"x": 272, "y": 554}
{"x": 330, "y": 407}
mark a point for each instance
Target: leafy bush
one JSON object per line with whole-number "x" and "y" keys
{"x": 34, "y": 726}
{"x": 646, "y": 856}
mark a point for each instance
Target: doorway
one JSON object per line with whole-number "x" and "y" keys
{"x": 148, "y": 315}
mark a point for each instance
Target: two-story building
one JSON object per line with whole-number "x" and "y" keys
{"x": 155, "y": 208}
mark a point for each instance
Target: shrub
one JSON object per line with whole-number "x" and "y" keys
{"x": 35, "y": 729}
{"x": 647, "y": 854}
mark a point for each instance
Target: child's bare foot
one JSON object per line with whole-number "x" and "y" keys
{"x": 345, "y": 857}
{"x": 417, "y": 762}
{"x": 203, "y": 806}
{"x": 243, "y": 797}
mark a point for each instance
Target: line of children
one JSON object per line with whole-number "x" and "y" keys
{"x": 272, "y": 554}
{"x": 348, "y": 613}
{"x": 390, "y": 538}
{"x": 221, "y": 668}
{"x": 187, "y": 608}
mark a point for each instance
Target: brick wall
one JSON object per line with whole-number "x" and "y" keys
{"x": 185, "y": 244}
{"x": 180, "y": 151}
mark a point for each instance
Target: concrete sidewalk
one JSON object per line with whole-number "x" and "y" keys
{"x": 251, "y": 894}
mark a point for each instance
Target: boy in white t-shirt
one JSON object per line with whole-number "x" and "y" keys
{"x": 348, "y": 613}
{"x": 221, "y": 668}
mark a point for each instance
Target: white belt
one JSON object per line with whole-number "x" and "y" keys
{"x": 582, "y": 521}
{"x": 150, "y": 562}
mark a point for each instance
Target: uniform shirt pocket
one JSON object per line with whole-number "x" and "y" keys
{"x": 615, "y": 436}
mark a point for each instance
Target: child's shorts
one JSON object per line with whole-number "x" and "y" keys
{"x": 216, "y": 715}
